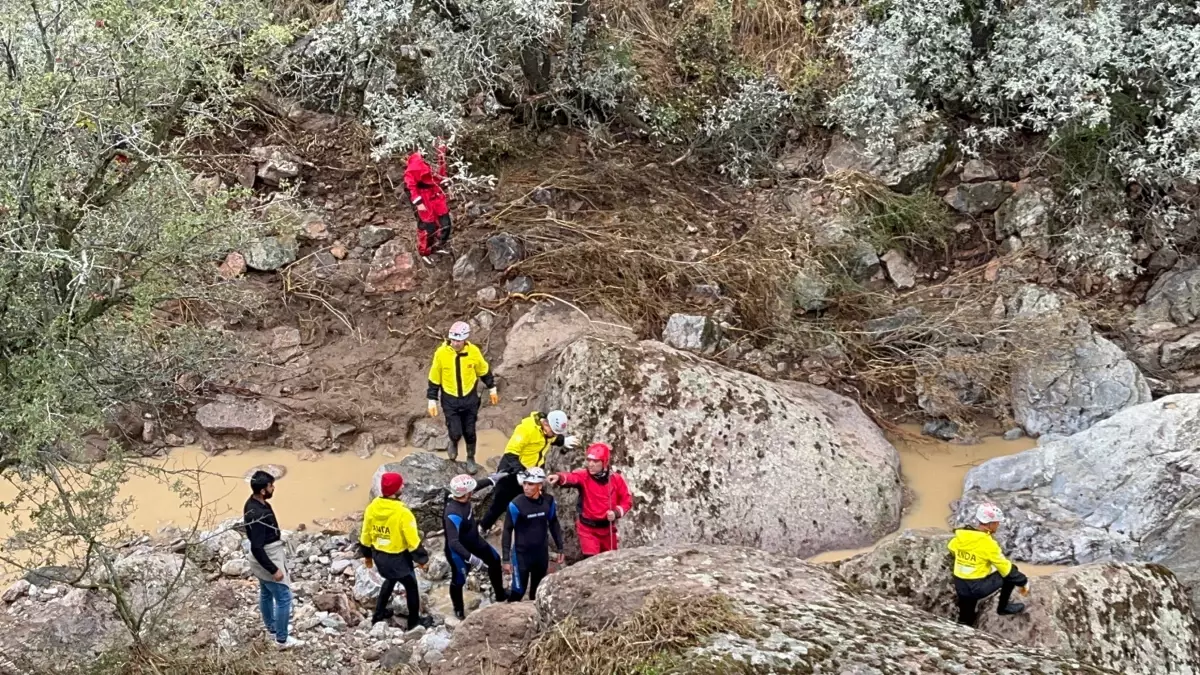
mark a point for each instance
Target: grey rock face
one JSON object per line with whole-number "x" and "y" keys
{"x": 977, "y": 170}
{"x": 905, "y": 171}
{"x": 691, "y": 332}
{"x": 1028, "y": 215}
{"x": 1174, "y": 298}
{"x": 805, "y": 618}
{"x": 694, "y": 440}
{"x": 271, "y": 253}
{"x": 1136, "y": 619}
{"x": 504, "y": 251}
{"x": 978, "y": 198}
{"x": 546, "y": 329}
{"x": 275, "y": 164}
{"x": 1128, "y": 488}
{"x": 252, "y": 418}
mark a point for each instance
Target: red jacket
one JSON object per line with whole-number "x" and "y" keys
{"x": 425, "y": 187}
{"x": 598, "y": 498}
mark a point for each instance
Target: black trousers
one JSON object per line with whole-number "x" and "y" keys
{"x": 432, "y": 235}
{"x": 461, "y": 414}
{"x": 412, "y": 597}
{"x": 459, "y": 569}
{"x": 971, "y": 591}
{"x": 529, "y": 568}
{"x": 505, "y": 491}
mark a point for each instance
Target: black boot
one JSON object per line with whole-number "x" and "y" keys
{"x": 426, "y": 621}
{"x": 452, "y": 452}
{"x": 383, "y": 616}
{"x": 1011, "y": 608}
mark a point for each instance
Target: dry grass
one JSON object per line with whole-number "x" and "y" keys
{"x": 648, "y": 641}
{"x": 249, "y": 660}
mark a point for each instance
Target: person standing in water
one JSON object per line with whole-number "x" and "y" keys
{"x": 604, "y": 499}
{"x": 457, "y": 367}
{"x": 980, "y": 567}
{"x": 268, "y": 560}
{"x": 529, "y": 518}
{"x": 389, "y": 541}
{"x": 465, "y": 548}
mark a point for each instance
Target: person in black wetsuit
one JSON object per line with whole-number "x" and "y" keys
{"x": 530, "y": 516}
{"x": 465, "y": 548}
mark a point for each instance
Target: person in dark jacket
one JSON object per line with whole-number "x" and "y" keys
{"x": 429, "y": 201}
{"x": 268, "y": 560}
{"x": 465, "y": 548}
{"x": 529, "y": 518}
{"x": 458, "y": 366}
{"x": 390, "y": 541}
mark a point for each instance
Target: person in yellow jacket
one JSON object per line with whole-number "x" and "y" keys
{"x": 526, "y": 449}
{"x": 980, "y": 567}
{"x": 390, "y": 542}
{"x": 457, "y": 367}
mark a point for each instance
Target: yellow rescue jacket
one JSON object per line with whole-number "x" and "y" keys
{"x": 389, "y": 527}
{"x": 456, "y": 373}
{"x": 977, "y": 555}
{"x": 528, "y": 442}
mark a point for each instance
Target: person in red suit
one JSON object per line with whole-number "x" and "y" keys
{"x": 604, "y": 500}
{"x": 429, "y": 201}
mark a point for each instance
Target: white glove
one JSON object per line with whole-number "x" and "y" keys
{"x": 474, "y": 561}
{"x": 432, "y": 407}
{"x": 570, "y": 441}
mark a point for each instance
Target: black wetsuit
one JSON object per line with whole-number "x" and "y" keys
{"x": 530, "y": 520}
{"x": 462, "y": 542}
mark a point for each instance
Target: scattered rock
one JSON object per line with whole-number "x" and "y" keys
{"x": 504, "y": 251}
{"x": 275, "y": 164}
{"x": 900, "y": 269}
{"x": 364, "y": 446}
{"x": 519, "y": 285}
{"x": 468, "y": 266}
{"x": 489, "y": 640}
{"x": 1016, "y": 433}
{"x": 1183, "y": 353}
{"x": 943, "y": 429}
{"x": 18, "y": 590}
{"x": 691, "y": 332}
{"x": 1028, "y": 214}
{"x": 271, "y": 253}
{"x": 233, "y": 267}
{"x": 238, "y": 567}
{"x": 800, "y": 617}
{"x": 1123, "y": 489}
{"x": 1174, "y": 298}
{"x": 428, "y": 434}
{"x": 1070, "y": 612}
{"x": 810, "y": 293}
{"x": 314, "y": 228}
{"x": 336, "y": 431}
{"x": 541, "y": 195}
{"x": 978, "y": 198}
{"x": 977, "y": 170}
{"x": 373, "y": 236}
{"x": 546, "y": 329}
{"x": 905, "y": 171}
{"x": 391, "y": 270}
{"x": 688, "y": 433}
{"x": 395, "y": 657}
{"x": 487, "y": 294}
{"x": 252, "y": 418}
{"x": 952, "y": 388}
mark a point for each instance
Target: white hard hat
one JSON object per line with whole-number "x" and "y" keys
{"x": 460, "y": 331}
{"x": 558, "y": 421}
{"x": 532, "y": 475}
{"x": 462, "y": 485}
{"x": 989, "y": 513}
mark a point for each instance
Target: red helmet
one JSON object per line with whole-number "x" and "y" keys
{"x": 390, "y": 484}
{"x": 599, "y": 452}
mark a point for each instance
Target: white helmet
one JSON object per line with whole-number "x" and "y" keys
{"x": 460, "y": 331}
{"x": 532, "y": 475}
{"x": 462, "y": 485}
{"x": 989, "y": 513}
{"x": 558, "y": 421}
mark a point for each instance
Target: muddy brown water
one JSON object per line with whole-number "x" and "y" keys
{"x": 324, "y": 487}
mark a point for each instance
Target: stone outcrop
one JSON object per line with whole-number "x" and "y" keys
{"x": 1128, "y": 488}
{"x": 490, "y": 640}
{"x": 721, "y": 456}
{"x": 426, "y": 482}
{"x": 1134, "y": 618}
{"x": 914, "y": 165}
{"x": 250, "y": 418}
{"x": 546, "y": 329}
{"x": 804, "y": 617}
{"x": 1024, "y": 220}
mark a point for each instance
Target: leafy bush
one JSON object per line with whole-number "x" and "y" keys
{"x": 745, "y": 128}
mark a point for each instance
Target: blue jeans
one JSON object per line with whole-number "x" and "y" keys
{"x": 275, "y": 603}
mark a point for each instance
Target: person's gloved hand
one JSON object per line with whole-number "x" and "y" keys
{"x": 570, "y": 441}
{"x": 493, "y": 396}
{"x": 475, "y": 562}
{"x": 432, "y": 408}
{"x": 495, "y": 477}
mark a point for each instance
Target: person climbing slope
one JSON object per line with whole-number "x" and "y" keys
{"x": 526, "y": 449}
{"x": 389, "y": 541}
{"x": 980, "y": 567}
{"x": 523, "y": 542}
{"x": 464, "y": 547}
{"x": 429, "y": 201}
{"x": 604, "y": 499}
{"x": 457, "y": 367}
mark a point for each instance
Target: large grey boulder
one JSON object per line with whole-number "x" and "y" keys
{"x": 426, "y": 484}
{"x": 250, "y": 418}
{"x": 721, "y": 456}
{"x": 1135, "y": 618}
{"x": 1128, "y": 488}
{"x": 1069, "y": 386}
{"x": 546, "y": 329}
{"x": 800, "y": 617}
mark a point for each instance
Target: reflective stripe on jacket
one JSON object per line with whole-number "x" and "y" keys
{"x": 976, "y": 555}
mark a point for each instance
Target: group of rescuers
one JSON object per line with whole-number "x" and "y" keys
{"x": 390, "y": 542}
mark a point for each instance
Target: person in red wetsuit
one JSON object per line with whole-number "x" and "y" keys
{"x": 604, "y": 500}
{"x": 433, "y": 212}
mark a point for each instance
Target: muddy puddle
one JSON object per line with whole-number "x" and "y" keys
{"x": 934, "y": 471}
